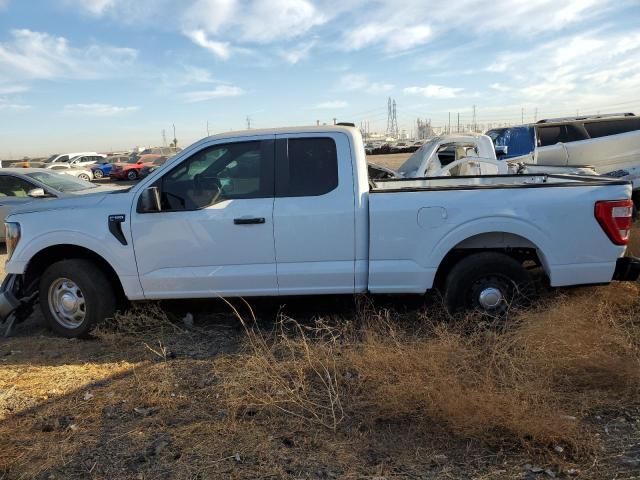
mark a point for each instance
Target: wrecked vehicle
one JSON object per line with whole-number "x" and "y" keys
{"x": 609, "y": 143}
{"x": 461, "y": 155}
{"x": 291, "y": 211}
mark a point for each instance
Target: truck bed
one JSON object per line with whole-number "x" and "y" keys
{"x": 489, "y": 182}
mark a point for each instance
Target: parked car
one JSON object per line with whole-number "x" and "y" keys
{"x": 22, "y": 185}
{"x": 103, "y": 167}
{"x": 83, "y": 161}
{"x": 166, "y": 151}
{"x": 64, "y": 168}
{"x": 65, "y": 157}
{"x": 147, "y": 169}
{"x": 131, "y": 169}
{"x": 292, "y": 212}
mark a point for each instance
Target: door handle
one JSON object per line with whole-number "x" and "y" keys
{"x": 248, "y": 220}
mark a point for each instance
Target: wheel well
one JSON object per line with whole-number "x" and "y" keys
{"x": 41, "y": 260}
{"x": 510, "y": 244}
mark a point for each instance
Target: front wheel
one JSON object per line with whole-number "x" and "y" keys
{"x": 84, "y": 176}
{"x": 74, "y": 296}
{"x": 488, "y": 282}
{"x": 132, "y": 175}
{"x": 98, "y": 174}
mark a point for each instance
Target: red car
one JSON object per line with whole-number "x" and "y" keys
{"x": 131, "y": 169}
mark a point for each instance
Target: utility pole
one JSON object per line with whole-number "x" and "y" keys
{"x": 248, "y": 122}
{"x": 208, "y": 134}
{"x": 449, "y": 124}
{"x": 175, "y": 139}
{"x": 164, "y": 137}
{"x": 522, "y": 115}
{"x": 474, "y": 121}
{"x": 458, "y": 129}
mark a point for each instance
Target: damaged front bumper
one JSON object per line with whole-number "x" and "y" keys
{"x": 16, "y": 302}
{"x": 627, "y": 269}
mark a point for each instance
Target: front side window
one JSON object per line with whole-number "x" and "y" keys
{"x": 11, "y": 186}
{"x": 218, "y": 173}
{"x": 309, "y": 168}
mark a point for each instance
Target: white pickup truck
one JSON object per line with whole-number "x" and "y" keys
{"x": 292, "y": 212}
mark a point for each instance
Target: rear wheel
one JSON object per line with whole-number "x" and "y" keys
{"x": 75, "y": 295}
{"x": 488, "y": 282}
{"x": 132, "y": 175}
{"x": 98, "y": 173}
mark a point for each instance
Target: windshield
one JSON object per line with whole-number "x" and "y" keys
{"x": 413, "y": 162}
{"x": 60, "y": 182}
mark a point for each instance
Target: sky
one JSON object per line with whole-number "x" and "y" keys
{"x": 113, "y": 74}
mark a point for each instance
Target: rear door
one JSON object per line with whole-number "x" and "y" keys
{"x": 314, "y": 214}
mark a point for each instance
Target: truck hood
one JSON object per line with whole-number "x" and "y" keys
{"x": 71, "y": 201}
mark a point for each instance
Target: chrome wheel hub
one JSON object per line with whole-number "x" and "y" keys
{"x": 490, "y": 298}
{"x": 67, "y": 303}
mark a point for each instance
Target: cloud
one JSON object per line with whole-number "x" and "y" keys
{"x": 220, "y": 91}
{"x": 332, "y": 105}
{"x": 298, "y": 52}
{"x": 222, "y": 50}
{"x": 37, "y": 55}
{"x": 434, "y": 91}
{"x": 574, "y": 69}
{"x": 97, "y": 109}
{"x": 15, "y": 107}
{"x": 360, "y": 82}
{"x": 11, "y": 89}
{"x": 98, "y": 7}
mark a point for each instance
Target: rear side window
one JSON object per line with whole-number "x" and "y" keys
{"x": 549, "y": 135}
{"x": 306, "y": 167}
{"x": 612, "y": 127}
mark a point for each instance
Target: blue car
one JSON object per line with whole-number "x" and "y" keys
{"x": 103, "y": 168}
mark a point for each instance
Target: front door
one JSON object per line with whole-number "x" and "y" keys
{"x": 214, "y": 233}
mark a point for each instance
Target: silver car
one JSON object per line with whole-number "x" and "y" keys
{"x": 22, "y": 185}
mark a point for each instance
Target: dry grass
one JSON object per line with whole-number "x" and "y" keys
{"x": 522, "y": 387}
{"x": 377, "y": 393}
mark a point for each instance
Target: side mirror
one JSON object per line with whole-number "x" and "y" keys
{"x": 37, "y": 193}
{"x": 149, "y": 200}
{"x": 502, "y": 151}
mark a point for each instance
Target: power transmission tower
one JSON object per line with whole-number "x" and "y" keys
{"x": 394, "y": 125}
{"x": 389, "y": 118}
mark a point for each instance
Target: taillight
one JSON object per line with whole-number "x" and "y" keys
{"x": 614, "y": 216}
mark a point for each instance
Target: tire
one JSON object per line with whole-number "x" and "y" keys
{"x": 98, "y": 174}
{"x": 488, "y": 282}
{"x": 132, "y": 175}
{"x": 85, "y": 177}
{"x": 74, "y": 296}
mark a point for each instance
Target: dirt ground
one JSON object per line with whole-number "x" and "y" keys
{"x": 356, "y": 388}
